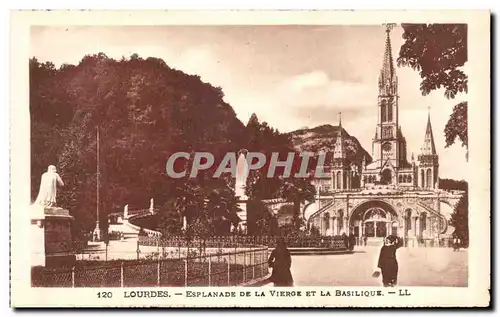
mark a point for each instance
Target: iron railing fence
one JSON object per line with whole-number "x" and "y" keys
{"x": 220, "y": 269}
{"x": 222, "y": 242}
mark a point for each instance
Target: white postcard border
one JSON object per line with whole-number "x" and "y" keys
{"x": 476, "y": 294}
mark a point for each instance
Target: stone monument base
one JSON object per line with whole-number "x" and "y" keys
{"x": 51, "y": 241}
{"x": 242, "y": 214}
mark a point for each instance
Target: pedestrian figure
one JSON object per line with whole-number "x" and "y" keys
{"x": 387, "y": 261}
{"x": 456, "y": 244}
{"x": 365, "y": 240}
{"x": 280, "y": 261}
{"x": 352, "y": 241}
{"x": 345, "y": 238}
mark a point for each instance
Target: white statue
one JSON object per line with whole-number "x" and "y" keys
{"x": 242, "y": 172}
{"x": 151, "y": 205}
{"x": 48, "y": 188}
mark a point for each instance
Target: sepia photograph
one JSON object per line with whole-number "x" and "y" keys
{"x": 268, "y": 156}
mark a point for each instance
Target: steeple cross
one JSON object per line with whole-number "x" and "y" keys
{"x": 389, "y": 26}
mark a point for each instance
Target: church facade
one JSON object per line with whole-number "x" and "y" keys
{"x": 394, "y": 193}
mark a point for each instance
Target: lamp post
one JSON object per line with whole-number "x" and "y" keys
{"x": 97, "y": 231}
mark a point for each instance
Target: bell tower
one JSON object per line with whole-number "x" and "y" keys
{"x": 386, "y": 144}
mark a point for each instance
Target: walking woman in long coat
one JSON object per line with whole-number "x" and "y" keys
{"x": 387, "y": 261}
{"x": 281, "y": 261}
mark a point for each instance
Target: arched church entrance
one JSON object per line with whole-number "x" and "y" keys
{"x": 372, "y": 221}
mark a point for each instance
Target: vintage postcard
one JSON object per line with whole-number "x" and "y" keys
{"x": 250, "y": 159}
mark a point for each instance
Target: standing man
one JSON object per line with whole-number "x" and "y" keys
{"x": 387, "y": 261}
{"x": 352, "y": 241}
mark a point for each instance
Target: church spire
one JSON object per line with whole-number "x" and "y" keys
{"x": 339, "y": 142}
{"x": 429, "y": 161}
{"x": 339, "y": 133}
{"x": 387, "y": 79}
{"x": 429, "y": 147}
{"x": 388, "y": 65}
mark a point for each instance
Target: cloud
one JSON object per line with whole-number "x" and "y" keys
{"x": 302, "y": 82}
{"x": 328, "y": 114}
{"x": 308, "y": 90}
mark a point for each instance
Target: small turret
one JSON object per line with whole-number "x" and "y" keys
{"x": 429, "y": 148}
{"x": 428, "y": 166}
{"x": 341, "y": 171}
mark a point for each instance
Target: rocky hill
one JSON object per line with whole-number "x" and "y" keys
{"x": 144, "y": 111}
{"x": 323, "y": 138}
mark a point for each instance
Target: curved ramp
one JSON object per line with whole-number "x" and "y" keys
{"x": 130, "y": 227}
{"x": 446, "y": 228}
{"x": 315, "y": 210}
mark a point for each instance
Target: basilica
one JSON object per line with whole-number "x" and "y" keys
{"x": 390, "y": 165}
{"x": 392, "y": 194}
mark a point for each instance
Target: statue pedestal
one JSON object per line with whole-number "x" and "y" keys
{"x": 51, "y": 242}
{"x": 97, "y": 234}
{"x": 243, "y": 216}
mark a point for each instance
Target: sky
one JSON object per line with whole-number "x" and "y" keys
{"x": 291, "y": 76}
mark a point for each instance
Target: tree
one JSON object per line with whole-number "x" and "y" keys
{"x": 145, "y": 110}
{"x": 460, "y": 219}
{"x": 437, "y": 52}
{"x": 456, "y": 127}
{"x": 267, "y": 225}
{"x": 266, "y": 140}
{"x": 169, "y": 219}
{"x": 451, "y": 184}
{"x": 314, "y": 231}
{"x": 297, "y": 190}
